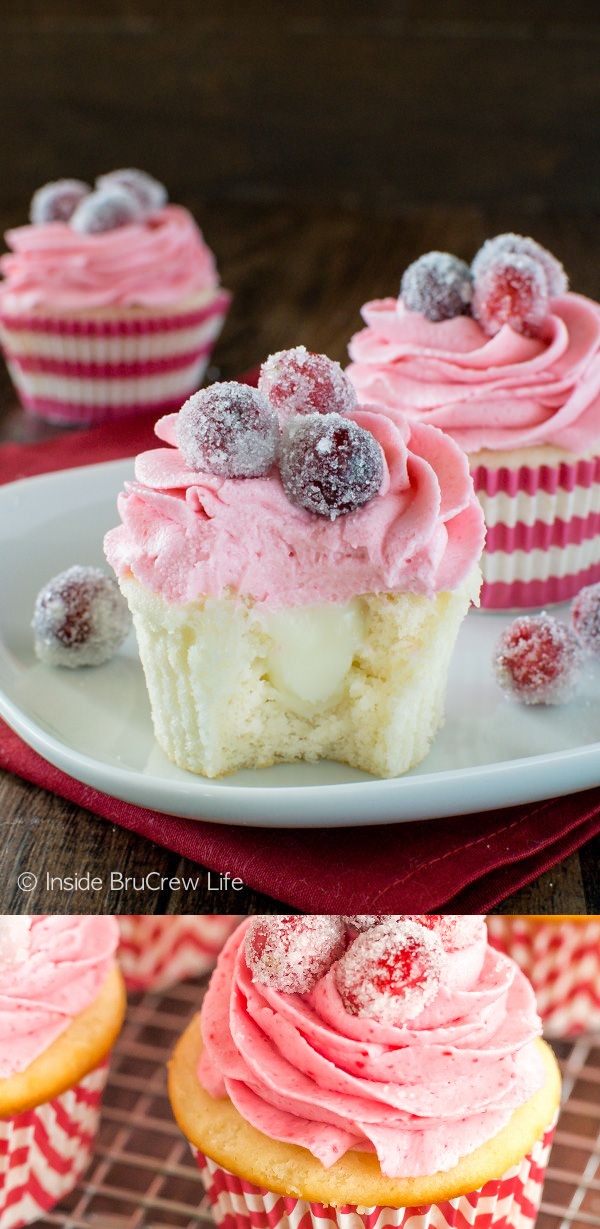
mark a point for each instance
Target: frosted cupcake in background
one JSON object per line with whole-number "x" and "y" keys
{"x": 110, "y": 302}
{"x": 561, "y": 956}
{"x": 297, "y": 568}
{"x": 62, "y": 1003}
{"x": 155, "y": 952}
{"x": 507, "y": 361}
{"x": 367, "y": 1071}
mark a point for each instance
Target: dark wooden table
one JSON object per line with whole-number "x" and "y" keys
{"x": 299, "y": 274}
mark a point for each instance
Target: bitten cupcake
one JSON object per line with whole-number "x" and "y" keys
{"x": 365, "y": 1071}
{"x": 297, "y": 568}
{"x": 156, "y": 952}
{"x": 505, "y": 360}
{"x": 110, "y": 302}
{"x": 62, "y": 1004}
{"x": 561, "y": 956}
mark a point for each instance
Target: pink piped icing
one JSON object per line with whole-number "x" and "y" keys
{"x": 48, "y": 975}
{"x": 302, "y": 1069}
{"x": 186, "y": 535}
{"x": 150, "y": 264}
{"x": 502, "y": 392}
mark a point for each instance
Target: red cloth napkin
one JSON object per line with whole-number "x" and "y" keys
{"x": 465, "y": 864}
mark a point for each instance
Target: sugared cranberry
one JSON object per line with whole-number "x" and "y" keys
{"x": 438, "y": 285}
{"x": 291, "y": 953}
{"x": 150, "y": 194}
{"x": 538, "y": 660}
{"x": 105, "y": 209}
{"x": 80, "y": 618}
{"x": 228, "y": 429}
{"x": 57, "y": 202}
{"x": 391, "y": 972}
{"x": 511, "y": 289}
{"x": 363, "y": 921}
{"x": 509, "y": 244}
{"x": 585, "y": 618}
{"x": 454, "y": 930}
{"x": 298, "y": 382}
{"x": 329, "y": 465}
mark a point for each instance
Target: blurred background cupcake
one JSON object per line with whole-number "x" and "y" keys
{"x": 560, "y": 955}
{"x": 62, "y": 1003}
{"x": 157, "y": 951}
{"x": 110, "y": 301}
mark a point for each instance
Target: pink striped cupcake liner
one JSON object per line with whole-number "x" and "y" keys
{"x": 87, "y": 369}
{"x": 155, "y": 952}
{"x": 562, "y": 960}
{"x": 509, "y": 1202}
{"x": 44, "y": 1151}
{"x": 543, "y": 531}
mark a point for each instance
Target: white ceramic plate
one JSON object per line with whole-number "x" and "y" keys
{"x": 95, "y": 723}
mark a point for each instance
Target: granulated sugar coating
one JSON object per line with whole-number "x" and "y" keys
{"x": 438, "y": 285}
{"x": 538, "y": 660}
{"x": 364, "y": 921}
{"x": 557, "y": 282}
{"x": 454, "y": 930}
{"x": 299, "y": 382}
{"x": 57, "y": 202}
{"x": 106, "y": 209}
{"x": 150, "y": 194}
{"x": 585, "y": 618}
{"x": 80, "y": 618}
{"x": 511, "y": 288}
{"x": 228, "y": 429}
{"x": 329, "y": 465}
{"x": 292, "y": 953}
{"x": 391, "y": 972}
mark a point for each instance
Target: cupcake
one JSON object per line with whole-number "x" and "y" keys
{"x": 365, "y": 1071}
{"x": 155, "y": 951}
{"x": 62, "y": 1004}
{"x": 561, "y": 956}
{"x": 297, "y": 575}
{"x": 110, "y": 302}
{"x": 506, "y": 361}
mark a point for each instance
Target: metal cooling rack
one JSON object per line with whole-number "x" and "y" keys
{"x": 142, "y": 1175}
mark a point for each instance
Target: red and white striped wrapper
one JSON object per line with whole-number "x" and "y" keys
{"x": 44, "y": 1151}
{"x": 543, "y": 531}
{"x": 561, "y": 958}
{"x": 509, "y": 1202}
{"x": 155, "y": 952}
{"x": 87, "y": 368}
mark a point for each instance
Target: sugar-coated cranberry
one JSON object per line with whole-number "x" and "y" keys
{"x": 454, "y": 930}
{"x": 292, "y": 953}
{"x": 511, "y": 289}
{"x": 299, "y": 382}
{"x": 585, "y": 618}
{"x": 228, "y": 429}
{"x": 150, "y": 194}
{"x": 363, "y": 921}
{"x": 438, "y": 285}
{"x": 80, "y": 618}
{"x": 57, "y": 202}
{"x": 538, "y": 660}
{"x": 557, "y": 282}
{"x": 391, "y": 972}
{"x": 329, "y": 465}
{"x": 106, "y": 209}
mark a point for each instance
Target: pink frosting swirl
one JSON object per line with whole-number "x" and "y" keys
{"x": 301, "y": 1069}
{"x": 502, "y": 392}
{"x": 51, "y": 969}
{"x": 185, "y": 535}
{"x": 153, "y": 263}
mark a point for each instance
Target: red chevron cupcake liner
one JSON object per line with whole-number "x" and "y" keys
{"x": 509, "y": 1202}
{"x": 155, "y": 952}
{"x": 543, "y": 531}
{"x": 44, "y": 1151}
{"x": 562, "y": 960}
{"x": 87, "y": 369}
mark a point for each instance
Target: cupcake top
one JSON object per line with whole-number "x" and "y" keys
{"x": 51, "y": 969}
{"x": 409, "y": 1037}
{"x": 500, "y": 355}
{"x": 120, "y": 244}
{"x": 292, "y": 494}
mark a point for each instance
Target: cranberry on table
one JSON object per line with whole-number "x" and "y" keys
{"x": 150, "y": 194}
{"x": 329, "y": 465}
{"x": 57, "y": 202}
{"x": 557, "y": 282}
{"x": 438, "y": 285}
{"x": 299, "y": 382}
{"x": 228, "y": 429}
{"x": 80, "y": 618}
{"x": 538, "y": 660}
{"x": 104, "y": 210}
{"x": 292, "y": 953}
{"x": 585, "y": 618}
{"x": 391, "y": 972}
